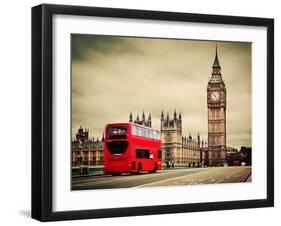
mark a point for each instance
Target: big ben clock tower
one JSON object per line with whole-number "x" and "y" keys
{"x": 216, "y": 100}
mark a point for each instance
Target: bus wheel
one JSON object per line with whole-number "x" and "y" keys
{"x": 155, "y": 168}
{"x": 139, "y": 169}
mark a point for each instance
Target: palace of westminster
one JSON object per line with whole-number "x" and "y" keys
{"x": 176, "y": 148}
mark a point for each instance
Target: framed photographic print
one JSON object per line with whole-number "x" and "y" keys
{"x": 145, "y": 112}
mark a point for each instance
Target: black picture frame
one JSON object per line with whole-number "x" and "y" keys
{"x": 42, "y": 111}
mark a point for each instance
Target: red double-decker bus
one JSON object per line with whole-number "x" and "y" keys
{"x": 131, "y": 148}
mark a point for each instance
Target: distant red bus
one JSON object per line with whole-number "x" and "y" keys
{"x": 131, "y": 148}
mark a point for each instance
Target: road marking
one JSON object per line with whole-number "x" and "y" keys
{"x": 219, "y": 181}
{"x": 191, "y": 180}
{"x": 169, "y": 179}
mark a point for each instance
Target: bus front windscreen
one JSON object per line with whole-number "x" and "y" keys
{"x": 117, "y": 147}
{"x": 117, "y": 130}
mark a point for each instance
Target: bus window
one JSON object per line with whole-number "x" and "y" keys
{"x": 151, "y": 134}
{"x": 154, "y": 135}
{"x": 117, "y": 129}
{"x": 158, "y": 136}
{"x": 117, "y": 147}
{"x": 135, "y": 130}
{"x": 147, "y": 133}
{"x": 142, "y": 154}
{"x": 139, "y": 131}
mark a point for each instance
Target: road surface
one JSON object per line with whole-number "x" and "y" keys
{"x": 172, "y": 177}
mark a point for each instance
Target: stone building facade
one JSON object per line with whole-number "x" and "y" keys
{"x": 85, "y": 151}
{"x": 179, "y": 149}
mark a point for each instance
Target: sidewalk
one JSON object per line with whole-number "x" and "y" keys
{"x": 93, "y": 171}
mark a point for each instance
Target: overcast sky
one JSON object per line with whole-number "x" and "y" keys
{"x": 112, "y": 76}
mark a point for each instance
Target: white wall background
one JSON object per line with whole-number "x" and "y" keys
{"x": 15, "y": 102}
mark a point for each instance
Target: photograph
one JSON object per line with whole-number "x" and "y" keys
{"x": 155, "y": 112}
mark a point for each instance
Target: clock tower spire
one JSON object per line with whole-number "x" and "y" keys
{"x": 216, "y": 103}
{"x": 216, "y": 64}
{"x": 216, "y": 70}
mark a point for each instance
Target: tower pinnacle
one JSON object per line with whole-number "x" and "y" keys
{"x": 143, "y": 116}
{"x": 216, "y": 70}
{"x": 175, "y": 114}
{"x": 216, "y": 61}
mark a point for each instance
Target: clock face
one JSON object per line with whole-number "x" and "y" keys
{"x": 215, "y": 96}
